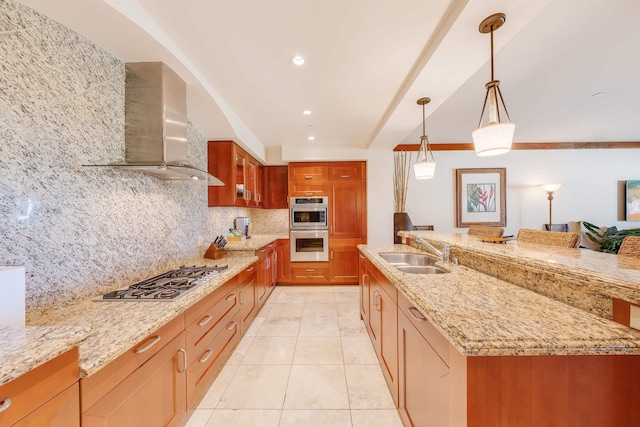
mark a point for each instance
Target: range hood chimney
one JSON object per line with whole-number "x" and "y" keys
{"x": 156, "y": 124}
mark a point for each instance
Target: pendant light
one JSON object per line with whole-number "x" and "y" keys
{"x": 424, "y": 168}
{"x": 496, "y": 137}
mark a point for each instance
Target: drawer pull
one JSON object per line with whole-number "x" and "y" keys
{"x": 184, "y": 360}
{"x": 4, "y": 405}
{"x": 150, "y": 344}
{"x": 308, "y": 177}
{"x": 206, "y": 356}
{"x": 205, "y": 320}
{"x": 309, "y": 270}
{"x": 308, "y": 193}
{"x": 249, "y": 269}
{"x": 231, "y": 297}
{"x": 362, "y": 256}
{"x": 416, "y": 314}
{"x": 344, "y": 176}
{"x": 262, "y": 250}
{"x": 232, "y": 325}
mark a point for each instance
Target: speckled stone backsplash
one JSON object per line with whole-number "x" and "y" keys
{"x": 80, "y": 230}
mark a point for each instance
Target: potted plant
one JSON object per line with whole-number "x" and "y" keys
{"x": 610, "y": 238}
{"x": 401, "y": 170}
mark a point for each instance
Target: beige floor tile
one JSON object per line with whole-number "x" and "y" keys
{"x": 241, "y": 350}
{"x": 347, "y": 297}
{"x": 270, "y": 351}
{"x": 287, "y": 297}
{"x": 321, "y": 297}
{"x": 375, "y": 418}
{"x": 199, "y": 418}
{"x": 346, "y": 289}
{"x": 255, "y": 327}
{"x": 319, "y": 327}
{"x": 314, "y": 288}
{"x": 348, "y": 309}
{"x": 244, "y": 418}
{"x": 317, "y": 387}
{"x": 315, "y": 418}
{"x": 367, "y": 387}
{"x": 318, "y": 351}
{"x": 279, "y": 327}
{"x": 322, "y": 309}
{"x": 292, "y": 309}
{"x": 351, "y": 326}
{"x": 256, "y": 387}
{"x": 211, "y": 399}
{"x": 358, "y": 350}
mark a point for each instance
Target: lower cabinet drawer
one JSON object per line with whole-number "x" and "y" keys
{"x": 309, "y": 272}
{"x": 61, "y": 411}
{"x": 210, "y": 360}
{"x": 426, "y": 329}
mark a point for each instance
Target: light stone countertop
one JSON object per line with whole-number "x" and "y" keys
{"x": 483, "y": 316}
{"x": 254, "y": 243}
{"x": 25, "y": 348}
{"x": 117, "y": 326}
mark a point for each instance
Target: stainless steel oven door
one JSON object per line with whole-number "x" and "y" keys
{"x": 309, "y": 245}
{"x": 309, "y": 217}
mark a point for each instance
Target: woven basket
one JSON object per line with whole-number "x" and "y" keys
{"x": 551, "y": 238}
{"x": 630, "y": 247}
{"x": 485, "y": 230}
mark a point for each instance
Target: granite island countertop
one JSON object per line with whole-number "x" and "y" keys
{"x": 25, "y": 348}
{"x": 484, "y": 316}
{"x": 255, "y": 242}
{"x": 117, "y": 326}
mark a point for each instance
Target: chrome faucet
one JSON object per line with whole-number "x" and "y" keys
{"x": 443, "y": 255}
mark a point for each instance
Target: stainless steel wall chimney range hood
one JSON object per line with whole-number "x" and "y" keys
{"x": 156, "y": 124}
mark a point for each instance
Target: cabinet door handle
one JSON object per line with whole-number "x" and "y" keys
{"x": 331, "y": 254}
{"x": 344, "y": 176}
{"x": 364, "y": 275}
{"x": 331, "y": 229}
{"x": 231, "y": 325}
{"x": 376, "y": 294}
{"x": 184, "y": 360}
{"x": 263, "y": 249}
{"x": 275, "y": 256}
{"x": 4, "y": 405}
{"x": 248, "y": 193}
{"x": 250, "y": 269}
{"x": 206, "y": 356}
{"x": 150, "y": 344}
{"x": 231, "y": 297}
{"x": 241, "y": 297}
{"x": 258, "y": 197}
{"x": 416, "y": 314}
{"x": 308, "y": 177}
{"x": 206, "y": 319}
{"x": 267, "y": 263}
{"x": 362, "y": 256}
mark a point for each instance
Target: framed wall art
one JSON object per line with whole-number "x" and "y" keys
{"x": 480, "y": 197}
{"x": 632, "y": 195}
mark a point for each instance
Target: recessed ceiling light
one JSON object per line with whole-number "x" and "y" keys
{"x": 311, "y": 138}
{"x": 309, "y": 126}
{"x": 307, "y": 112}
{"x": 297, "y": 60}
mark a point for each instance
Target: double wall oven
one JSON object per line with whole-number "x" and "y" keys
{"x": 309, "y": 229}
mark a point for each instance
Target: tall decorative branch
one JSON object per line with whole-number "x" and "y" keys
{"x": 401, "y": 169}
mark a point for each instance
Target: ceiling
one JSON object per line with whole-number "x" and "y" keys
{"x": 368, "y": 61}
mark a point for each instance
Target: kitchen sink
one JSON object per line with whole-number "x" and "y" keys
{"x": 405, "y": 259}
{"x": 420, "y": 269}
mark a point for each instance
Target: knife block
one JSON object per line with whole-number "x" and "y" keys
{"x": 214, "y": 252}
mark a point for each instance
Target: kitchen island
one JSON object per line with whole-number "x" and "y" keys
{"x": 499, "y": 353}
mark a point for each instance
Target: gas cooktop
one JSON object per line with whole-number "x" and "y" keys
{"x": 164, "y": 287}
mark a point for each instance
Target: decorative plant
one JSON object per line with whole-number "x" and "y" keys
{"x": 401, "y": 170}
{"x": 610, "y": 239}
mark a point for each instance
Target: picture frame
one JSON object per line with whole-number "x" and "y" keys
{"x": 481, "y": 197}
{"x": 632, "y": 200}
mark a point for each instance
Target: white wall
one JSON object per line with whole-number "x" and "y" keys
{"x": 590, "y": 192}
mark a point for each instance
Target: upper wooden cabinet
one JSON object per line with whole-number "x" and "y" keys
{"x": 276, "y": 182}
{"x": 347, "y": 219}
{"x": 318, "y": 171}
{"x": 347, "y": 170}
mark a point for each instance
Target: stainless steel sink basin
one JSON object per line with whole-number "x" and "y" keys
{"x": 404, "y": 259}
{"x": 420, "y": 269}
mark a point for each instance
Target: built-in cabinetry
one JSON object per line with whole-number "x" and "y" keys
{"x": 247, "y": 182}
{"x": 46, "y": 396}
{"x": 283, "y": 259}
{"x": 276, "y": 179}
{"x": 345, "y": 185}
{"x": 267, "y": 267}
{"x": 436, "y": 385}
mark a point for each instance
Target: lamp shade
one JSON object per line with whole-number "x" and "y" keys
{"x": 550, "y": 187}
{"x": 424, "y": 169}
{"x": 493, "y": 139}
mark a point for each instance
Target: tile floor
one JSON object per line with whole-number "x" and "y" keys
{"x": 306, "y": 361}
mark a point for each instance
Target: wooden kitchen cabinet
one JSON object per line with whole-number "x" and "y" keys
{"x": 347, "y": 170}
{"x": 283, "y": 261}
{"x": 276, "y": 187}
{"x": 346, "y": 210}
{"x": 383, "y": 327}
{"x": 343, "y": 260}
{"x": 365, "y": 286}
{"x": 151, "y": 374}
{"x": 309, "y": 272}
{"x": 248, "y": 297}
{"x": 266, "y": 272}
{"x": 308, "y": 179}
{"x": 47, "y": 395}
{"x": 423, "y": 372}
{"x": 260, "y": 188}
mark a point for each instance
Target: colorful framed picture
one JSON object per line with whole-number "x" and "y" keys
{"x": 632, "y": 194}
{"x": 480, "y": 197}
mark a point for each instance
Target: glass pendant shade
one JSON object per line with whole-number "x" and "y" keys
{"x": 493, "y": 139}
{"x": 424, "y": 169}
